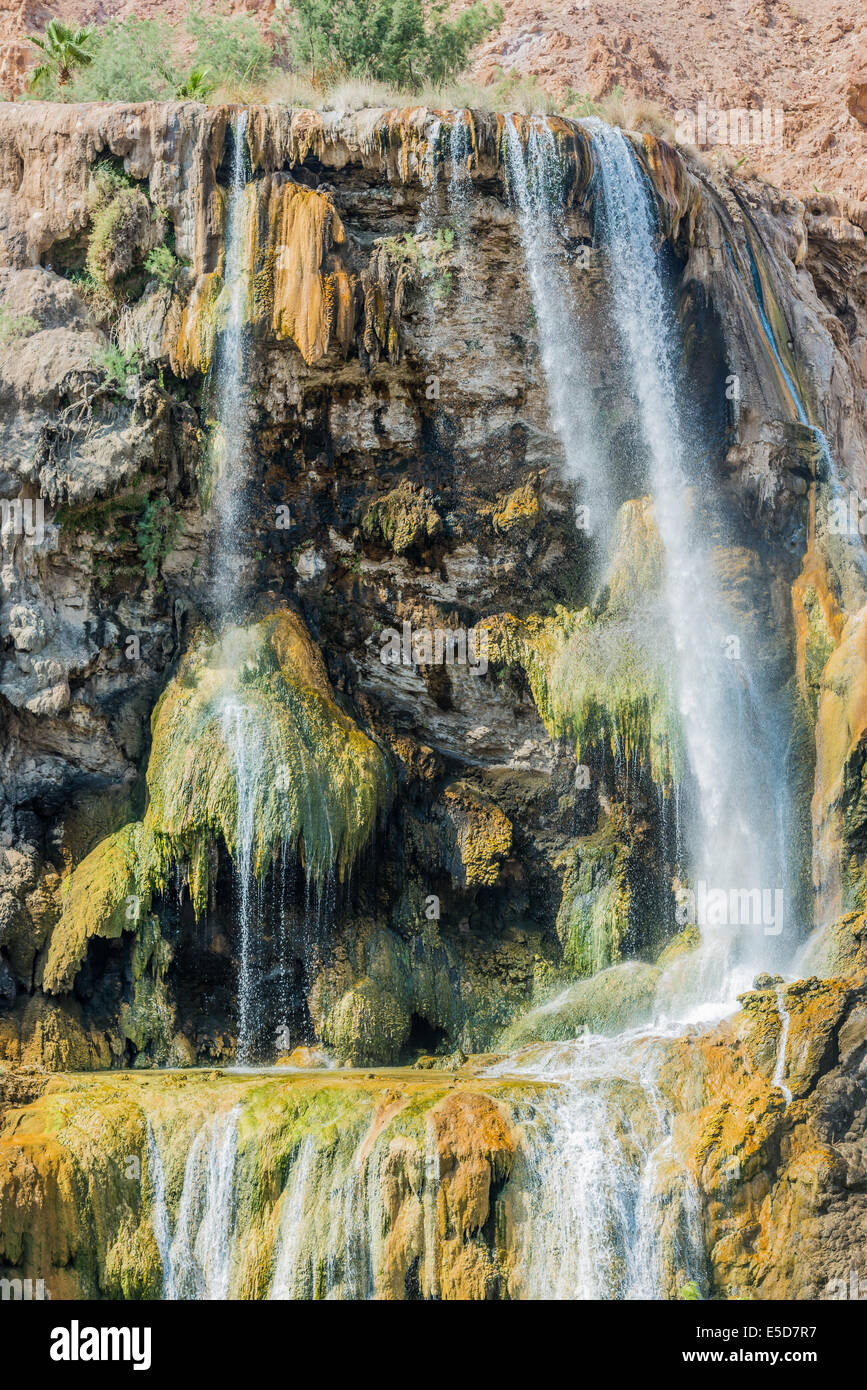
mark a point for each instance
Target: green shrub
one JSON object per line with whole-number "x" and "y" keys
{"x": 124, "y": 228}
{"x": 434, "y": 263}
{"x": 162, "y": 263}
{"x": 133, "y": 60}
{"x": 397, "y": 41}
{"x": 230, "y": 48}
{"x": 117, "y": 364}
{"x": 115, "y": 239}
{"x": 155, "y": 533}
{"x": 14, "y": 326}
{"x": 196, "y": 86}
{"x": 429, "y": 256}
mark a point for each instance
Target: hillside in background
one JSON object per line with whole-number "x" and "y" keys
{"x": 807, "y": 60}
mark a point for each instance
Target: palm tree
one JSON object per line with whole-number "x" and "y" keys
{"x": 196, "y": 86}
{"x": 64, "y": 49}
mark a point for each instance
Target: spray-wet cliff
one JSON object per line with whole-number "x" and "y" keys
{"x": 432, "y": 606}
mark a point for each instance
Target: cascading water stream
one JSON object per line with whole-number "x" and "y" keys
{"x": 229, "y": 447}
{"x": 201, "y": 1251}
{"x": 242, "y": 736}
{"x": 160, "y": 1212}
{"x": 460, "y": 150}
{"x": 535, "y": 189}
{"x": 780, "y": 1068}
{"x": 241, "y": 729}
{"x": 596, "y": 1141}
{"x": 736, "y": 767}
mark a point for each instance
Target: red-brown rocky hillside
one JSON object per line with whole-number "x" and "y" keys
{"x": 807, "y": 58}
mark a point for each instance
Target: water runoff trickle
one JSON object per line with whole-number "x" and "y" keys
{"x": 247, "y": 741}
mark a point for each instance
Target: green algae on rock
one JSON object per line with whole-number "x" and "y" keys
{"x": 594, "y": 915}
{"x": 603, "y": 678}
{"x": 99, "y": 898}
{"x": 623, "y": 996}
{"x": 404, "y": 517}
{"x": 316, "y": 782}
{"x": 104, "y": 1184}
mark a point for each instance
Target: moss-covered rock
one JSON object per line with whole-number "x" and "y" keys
{"x": 519, "y": 512}
{"x": 604, "y": 678}
{"x": 475, "y": 835}
{"x": 250, "y": 721}
{"x": 838, "y": 949}
{"x": 681, "y": 945}
{"x": 124, "y": 228}
{"x": 594, "y": 917}
{"x": 403, "y": 518}
{"x": 55, "y": 1034}
{"x": 99, "y": 898}
{"x": 419, "y": 1168}
{"x": 620, "y": 997}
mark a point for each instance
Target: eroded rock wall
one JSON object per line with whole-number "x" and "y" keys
{"x": 403, "y": 471}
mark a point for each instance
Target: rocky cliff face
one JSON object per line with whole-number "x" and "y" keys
{"x": 426, "y": 862}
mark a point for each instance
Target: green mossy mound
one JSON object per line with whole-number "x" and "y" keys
{"x": 621, "y": 997}
{"x": 604, "y": 679}
{"x": 99, "y": 898}
{"x": 249, "y": 741}
{"x": 404, "y": 517}
{"x": 837, "y": 950}
{"x": 594, "y": 914}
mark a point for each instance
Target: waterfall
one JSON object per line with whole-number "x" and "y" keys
{"x": 780, "y": 1068}
{"x": 334, "y": 1219}
{"x": 739, "y": 835}
{"x": 240, "y": 728}
{"x": 287, "y": 1281}
{"x": 201, "y": 1252}
{"x": 231, "y": 404}
{"x": 242, "y": 736}
{"x": 534, "y": 179}
{"x": 330, "y": 1223}
{"x": 159, "y": 1211}
{"x": 460, "y": 150}
{"x": 597, "y": 1139}
{"x": 605, "y": 1217}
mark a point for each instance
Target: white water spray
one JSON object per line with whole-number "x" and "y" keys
{"x": 534, "y": 187}
{"x": 201, "y": 1252}
{"x": 740, "y": 834}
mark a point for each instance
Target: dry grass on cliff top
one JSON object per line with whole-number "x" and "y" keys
{"x": 509, "y": 92}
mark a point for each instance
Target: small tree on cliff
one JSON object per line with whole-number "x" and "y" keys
{"x": 64, "y": 49}
{"x": 402, "y": 42}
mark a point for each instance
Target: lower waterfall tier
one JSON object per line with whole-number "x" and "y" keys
{"x": 643, "y": 1166}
